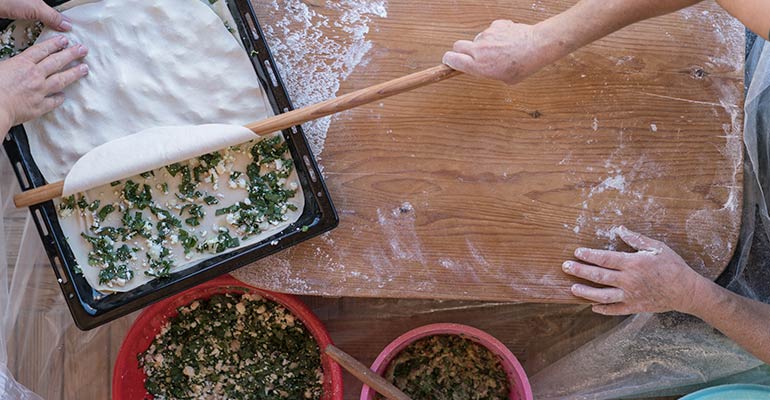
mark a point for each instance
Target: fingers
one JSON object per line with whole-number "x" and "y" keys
{"x": 611, "y": 309}
{"x": 40, "y": 51}
{"x": 52, "y": 18}
{"x": 51, "y": 102}
{"x": 601, "y": 296}
{"x": 57, "y": 82}
{"x": 463, "y": 46}
{"x": 639, "y": 241}
{"x": 603, "y": 258}
{"x": 56, "y": 61}
{"x": 459, "y": 61}
{"x": 602, "y": 276}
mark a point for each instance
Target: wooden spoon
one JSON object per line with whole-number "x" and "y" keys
{"x": 295, "y": 117}
{"x": 364, "y": 374}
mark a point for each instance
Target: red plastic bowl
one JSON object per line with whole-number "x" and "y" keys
{"x": 128, "y": 378}
{"x": 516, "y": 375}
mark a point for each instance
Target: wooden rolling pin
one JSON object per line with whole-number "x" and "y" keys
{"x": 295, "y": 117}
{"x": 365, "y": 375}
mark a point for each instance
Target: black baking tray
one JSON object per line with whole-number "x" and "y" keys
{"x": 90, "y": 308}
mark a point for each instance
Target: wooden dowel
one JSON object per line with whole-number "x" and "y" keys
{"x": 295, "y": 117}
{"x": 38, "y": 195}
{"x": 353, "y": 99}
{"x": 365, "y": 375}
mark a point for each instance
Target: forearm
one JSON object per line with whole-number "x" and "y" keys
{"x": 590, "y": 20}
{"x": 755, "y": 14}
{"x": 743, "y": 320}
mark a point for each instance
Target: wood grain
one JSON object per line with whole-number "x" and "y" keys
{"x": 470, "y": 189}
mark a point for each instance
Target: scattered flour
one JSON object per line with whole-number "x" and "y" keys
{"x": 706, "y": 227}
{"x": 317, "y": 48}
{"x": 611, "y": 234}
{"x": 613, "y": 196}
{"x": 398, "y": 226}
{"x": 653, "y": 127}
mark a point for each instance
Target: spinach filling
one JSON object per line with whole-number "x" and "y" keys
{"x": 448, "y": 367}
{"x": 235, "y": 347}
{"x": 159, "y": 226}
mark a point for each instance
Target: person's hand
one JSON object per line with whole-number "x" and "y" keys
{"x": 31, "y": 82}
{"x": 34, "y": 10}
{"x": 653, "y": 279}
{"x": 506, "y": 51}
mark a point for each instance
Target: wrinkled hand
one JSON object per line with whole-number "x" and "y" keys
{"x": 34, "y": 10}
{"x": 31, "y": 82}
{"x": 506, "y": 51}
{"x": 653, "y": 279}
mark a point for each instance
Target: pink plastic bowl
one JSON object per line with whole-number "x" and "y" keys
{"x": 516, "y": 375}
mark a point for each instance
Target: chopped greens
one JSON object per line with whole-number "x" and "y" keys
{"x": 445, "y": 367}
{"x": 106, "y": 210}
{"x": 233, "y": 346}
{"x": 174, "y": 168}
{"x": 115, "y": 272}
{"x": 66, "y": 206}
{"x": 139, "y": 197}
{"x": 95, "y": 205}
{"x": 210, "y": 200}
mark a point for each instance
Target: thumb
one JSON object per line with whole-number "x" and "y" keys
{"x": 459, "y": 61}
{"x": 52, "y": 18}
{"x": 638, "y": 241}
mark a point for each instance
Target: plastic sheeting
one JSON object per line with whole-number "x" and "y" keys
{"x": 673, "y": 353}
{"x": 568, "y": 351}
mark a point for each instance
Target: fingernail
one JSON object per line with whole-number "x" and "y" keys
{"x": 574, "y": 288}
{"x": 567, "y": 266}
{"x": 82, "y": 50}
{"x": 579, "y": 252}
{"x": 83, "y": 69}
{"x": 63, "y": 40}
{"x": 65, "y": 24}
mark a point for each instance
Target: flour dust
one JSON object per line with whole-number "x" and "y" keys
{"x": 318, "y": 47}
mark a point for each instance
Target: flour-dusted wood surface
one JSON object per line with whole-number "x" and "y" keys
{"x": 470, "y": 189}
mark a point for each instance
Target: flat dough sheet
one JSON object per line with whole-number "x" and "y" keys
{"x": 153, "y": 63}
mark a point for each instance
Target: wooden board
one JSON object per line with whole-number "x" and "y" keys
{"x": 470, "y": 189}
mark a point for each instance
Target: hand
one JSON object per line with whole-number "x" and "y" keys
{"x": 34, "y": 10}
{"x": 31, "y": 82}
{"x": 653, "y": 279}
{"x": 506, "y": 51}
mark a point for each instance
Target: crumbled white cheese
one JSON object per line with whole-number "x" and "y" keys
{"x": 231, "y": 219}
{"x": 153, "y": 249}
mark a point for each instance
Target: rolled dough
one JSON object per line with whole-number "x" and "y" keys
{"x": 147, "y": 150}
{"x": 152, "y": 63}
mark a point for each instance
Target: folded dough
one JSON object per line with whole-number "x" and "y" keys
{"x": 151, "y": 148}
